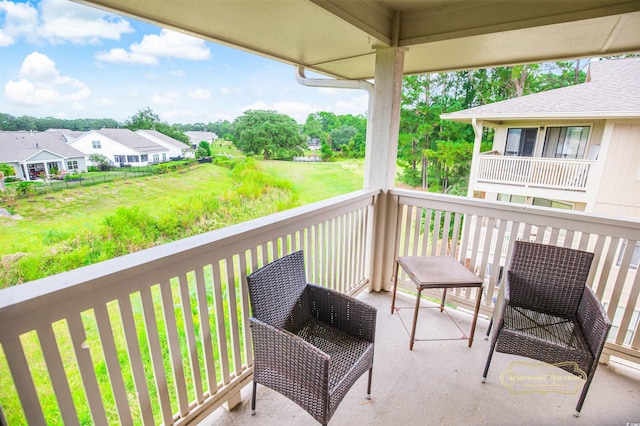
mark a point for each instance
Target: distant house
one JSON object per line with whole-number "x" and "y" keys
{"x": 195, "y": 137}
{"x": 122, "y": 147}
{"x": 39, "y": 155}
{"x": 576, "y": 147}
{"x": 314, "y": 144}
{"x": 67, "y": 134}
{"x": 175, "y": 147}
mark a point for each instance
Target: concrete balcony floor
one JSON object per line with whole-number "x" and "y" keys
{"x": 439, "y": 382}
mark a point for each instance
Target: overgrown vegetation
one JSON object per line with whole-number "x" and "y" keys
{"x": 69, "y": 229}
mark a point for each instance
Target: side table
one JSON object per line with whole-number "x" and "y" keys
{"x": 431, "y": 272}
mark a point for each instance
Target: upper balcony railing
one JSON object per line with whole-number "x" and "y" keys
{"x": 549, "y": 173}
{"x": 162, "y": 336}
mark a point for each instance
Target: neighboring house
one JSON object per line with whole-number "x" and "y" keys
{"x": 314, "y": 144}
{"x": 195, "y": 137}
{"x": 122, "y": 147}
{"x": 176, "y": 148}
{"x": 576, "y": 147}
{"x": 67, "y": 134}
{"x": 39, "y": 155}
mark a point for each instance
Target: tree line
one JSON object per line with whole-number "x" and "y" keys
{"x": 432, "y": 153}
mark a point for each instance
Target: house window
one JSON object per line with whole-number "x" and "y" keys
{"x": 96, "y": 144}
{"x": 509, "y": 198}
{"x": 144, "y": 157}
{"x": 156, "y": 158}
{"x": 164, "y": 156}
{"x": 635, "y": 257}
{"x": 72, "y": 165}
{"x": 119, "y": 158}
{"x": 521, "y": 142}
{"x": 133, "y": 159}
{"x": 566, "y": 142}
{"x": 543, "y": 202}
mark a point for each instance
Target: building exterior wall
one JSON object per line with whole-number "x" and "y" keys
{"x": 111, "y": 148}
{"x": 619, "y": 189}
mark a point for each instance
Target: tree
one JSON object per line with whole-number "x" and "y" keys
{"x": 267, "y": 133}
{"x": 99, "y": 160}
{"x": 146, "y": 119}
{"x": 7, "y": 169}
{"x": 342, "y": 135}
{"x": 203, "y": 150}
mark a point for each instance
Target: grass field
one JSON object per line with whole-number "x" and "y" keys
{"x": 53, "y": 224}
{"x": 56, "y": 224}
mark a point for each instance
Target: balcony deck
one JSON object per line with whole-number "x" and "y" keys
{"x": 439, "y": 383}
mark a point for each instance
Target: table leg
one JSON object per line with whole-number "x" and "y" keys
{"x": 395, "y": 286}
{"x": 475, "y": 316}
{"x": 444, "y": 296}
{"x": 415, "y": 319}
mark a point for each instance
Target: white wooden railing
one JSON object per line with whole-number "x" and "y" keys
{"x": 161, "y": 336}
{"x": 550, "y": 173}
{"x": 480, "y": 234}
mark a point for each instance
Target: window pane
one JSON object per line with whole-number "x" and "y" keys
{"x": 566, "y": 142}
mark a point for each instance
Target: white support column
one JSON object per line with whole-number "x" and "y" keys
{"x": 380, "y": 163}
{"x": 383, "y": 122}
{"x": 475, "y": 159}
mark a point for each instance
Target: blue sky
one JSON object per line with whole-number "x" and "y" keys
{"x": 66, "y": 60}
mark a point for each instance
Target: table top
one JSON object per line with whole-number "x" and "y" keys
{"x": 438, "y": 272}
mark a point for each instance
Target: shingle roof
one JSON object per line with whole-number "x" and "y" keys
{"x": 197, "y": 136}
{"x": 19, "y": 146}
{"x": 167, "y": 139}
{"x": 132, "y": 140}
{"x": 612, "y": 90}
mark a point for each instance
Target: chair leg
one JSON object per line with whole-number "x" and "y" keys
{"x": 486, "y": 367}
{"x": 486, "y": 337}
{"x": 583, "y": 394}
{"x": 253, "y": 398}
{"x": 369, "y": 384}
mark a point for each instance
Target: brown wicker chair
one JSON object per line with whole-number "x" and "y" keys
{"x": 310, "y": 343}
{"x": 548, "y": 313}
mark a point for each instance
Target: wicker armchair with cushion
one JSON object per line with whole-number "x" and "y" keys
{"x": 549, "y": 314}
{"x": 310, "y": 343}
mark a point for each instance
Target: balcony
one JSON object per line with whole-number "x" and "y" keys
{"x": 542, "y": 177}
{"x": 161, "y": 336}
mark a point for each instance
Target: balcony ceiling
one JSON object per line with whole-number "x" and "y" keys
{"x": 337, "y": 38}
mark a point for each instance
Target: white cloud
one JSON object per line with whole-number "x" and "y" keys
{"x": 226, "y": 90}
{"x": 63, "y": 21}
{"x": 21, "y": 19}
{"x": 166, "y": 98}
{"x": 59, "y": 21}
{"x": 40, "y": 83}
{"x": 178, "y": 73}
{"x": 167, "y": 44}
{"x": 200, "y": 94}
{"x": 121, "y": 55}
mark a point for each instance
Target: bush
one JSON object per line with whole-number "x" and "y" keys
{"x": 93, "y": 169}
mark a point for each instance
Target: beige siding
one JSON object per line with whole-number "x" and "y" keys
{"x": 619, "y": 190}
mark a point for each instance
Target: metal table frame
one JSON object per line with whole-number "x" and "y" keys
{"x": 436, "y": 272}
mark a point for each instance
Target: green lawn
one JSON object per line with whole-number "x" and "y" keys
{"x": 319, "y": 181}
{"x": 52, "y": 221}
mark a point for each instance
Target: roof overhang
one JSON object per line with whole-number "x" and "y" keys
{"x": 502, "y": 118}
{"x": 339, "y": 38}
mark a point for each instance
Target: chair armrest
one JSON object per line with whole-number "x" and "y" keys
{"x": 343, "y": 312}
{"x": 287, "y": 363}
{"x": 594, "y": 321}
